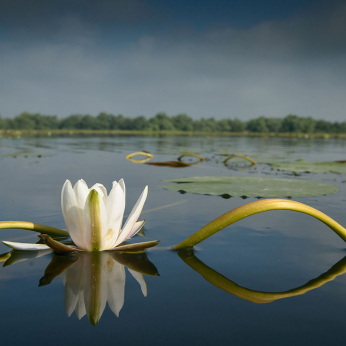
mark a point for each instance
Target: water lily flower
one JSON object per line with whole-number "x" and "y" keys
{"x": 94, "y": 219}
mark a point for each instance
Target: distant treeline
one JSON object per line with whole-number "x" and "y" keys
{"x": 163, "y": 122}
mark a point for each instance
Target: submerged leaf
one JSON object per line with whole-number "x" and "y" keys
{"x": 174, "y": 164}
{"x": 25, "y": 154}
{"x": 250, "y": 186}
{"x": 313, "y": 167}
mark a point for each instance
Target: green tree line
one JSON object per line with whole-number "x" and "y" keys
{"x": 163, "y": 122}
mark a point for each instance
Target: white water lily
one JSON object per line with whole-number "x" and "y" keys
{"x": 94, "y": 219}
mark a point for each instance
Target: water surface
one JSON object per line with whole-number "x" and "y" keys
{"x": 270, "y": 252}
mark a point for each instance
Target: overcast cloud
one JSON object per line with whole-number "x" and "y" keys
{"x": 292, "y": 65}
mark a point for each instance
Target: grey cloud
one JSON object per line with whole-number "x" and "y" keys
{"x": 313, "y": 37}
{"x": 295, "y": 65}
{"x": 41, "y": 19}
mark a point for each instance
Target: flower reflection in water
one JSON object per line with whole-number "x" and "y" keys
{"x": 92, "y": 279}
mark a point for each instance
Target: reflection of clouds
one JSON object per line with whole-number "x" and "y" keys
{"x": 94, "y": 280}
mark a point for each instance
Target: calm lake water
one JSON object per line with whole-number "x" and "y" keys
{"x": 276, "y": 251}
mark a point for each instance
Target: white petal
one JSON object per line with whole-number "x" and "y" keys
{"x": 136, "y": 228}
{"x": 122, "y": 185}
{"x": 140, "y": 279}
{"x": 101, "y": 190}
{"x": 71, "y": 215}
{"x": 95, "y": 222}
{"x": 115, "y": 205}
{"x": 25, "y": 246}
{"x": 134, "y": 215}
{"x": 116, "y": 287}
{"x": 81, "y": 191}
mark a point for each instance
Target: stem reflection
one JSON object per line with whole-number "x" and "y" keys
{"x": 258, "y": 297}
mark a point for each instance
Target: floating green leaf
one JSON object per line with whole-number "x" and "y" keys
{"x": 313, "y": 167}
{"x": 250, "y": 186}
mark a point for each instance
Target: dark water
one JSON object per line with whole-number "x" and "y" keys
{"x": 269, "y": 252}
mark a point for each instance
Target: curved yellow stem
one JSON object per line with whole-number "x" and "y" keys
{"x": 242, "y": 156}
{"x": 255, "y": 208}
{"x": 193, "y": 155}
{"x": 259, "y": 297}
{"x": 148, "y": 157}
{"x": 33, "y": 227}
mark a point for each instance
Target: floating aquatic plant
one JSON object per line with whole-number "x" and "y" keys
{"x": 174, "y": 164}
{"x": 93, "y": 219}
{"x": 201, "y": 158}
{"x": 253, "y": 163}
{"x": 31, "y": 226}
{"x": 254, "y": 208}
{"x": 148, "y": 157}
{"x": 310, "y": 166}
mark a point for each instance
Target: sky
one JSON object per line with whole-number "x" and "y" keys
{"x": 221, "y": 58}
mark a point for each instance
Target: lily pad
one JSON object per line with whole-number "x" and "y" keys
{"x": 250, "y": 186}
{"x": 308, "y": 166}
